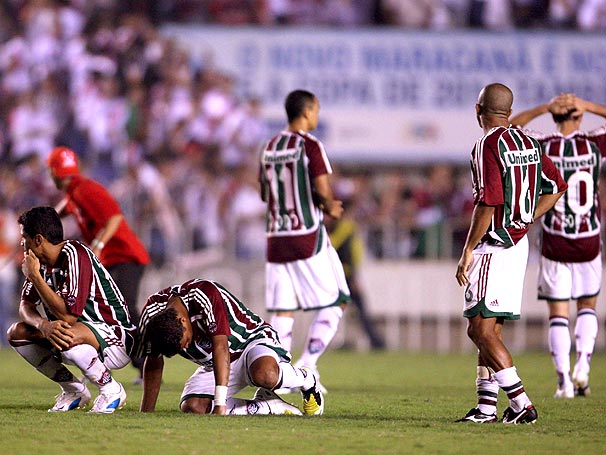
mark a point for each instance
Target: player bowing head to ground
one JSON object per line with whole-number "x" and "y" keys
{"x": 86, "y": 321}
{"x": 234, "y": 348}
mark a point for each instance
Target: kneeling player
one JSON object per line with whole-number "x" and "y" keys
{"x": 234, "y": 348}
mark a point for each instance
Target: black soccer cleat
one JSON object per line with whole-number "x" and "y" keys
{"x": 527, "y": 415}
{"x": 476, "y": 416}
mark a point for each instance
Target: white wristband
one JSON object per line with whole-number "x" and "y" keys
{"x": 98, "y": 244}
{"x": 220, "y": 395}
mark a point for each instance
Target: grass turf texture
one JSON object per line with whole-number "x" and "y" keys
{"x": 378, "y": 403}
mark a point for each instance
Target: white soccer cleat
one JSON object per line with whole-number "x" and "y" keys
{"x": 580, "y": 379}
{"x": 107, "y": 403}
{"x": 66, "y": 401}
{"x": 566, "y": 391}
{"x": 276, "y": 404}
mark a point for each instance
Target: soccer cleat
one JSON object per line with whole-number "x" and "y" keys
{"x": 476, "y": 416}
{"x": 580, "y": 379}
{"x": 566, "y": 391}
{"x": 313, "y": 400}
{"x": 66, "y": 401}
{"x": 276, "y": 404}
{"x": 107, "y": 403}
{"x": 527, "y": 415}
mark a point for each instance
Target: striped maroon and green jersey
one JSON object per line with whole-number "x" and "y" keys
{"x": 289, "y": 163}
{"x": 213, "y": 310}
{"x": 509, "y": 173}
{"x": 571, "y": 230}
{"x": 85, "y": 285}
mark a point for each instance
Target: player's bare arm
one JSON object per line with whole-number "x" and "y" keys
{"x": 546, "y": 202}
{"x": 327, "y": 201}
{"x": 153, "y": 368}
{"x": 106, "y": 233}
{"x": 56, "y": 305}
{"x": 221, "y": 366}
{"x": 587, "y": 106}
{"x": 524, "y": 117}
{"x": 480, "y": 221}
{"x": 58, "y": 333}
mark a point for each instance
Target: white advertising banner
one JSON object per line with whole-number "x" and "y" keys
{"x": 392, "y": 96}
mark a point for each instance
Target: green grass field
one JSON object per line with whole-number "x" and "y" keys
{"x": 378, "y": 403}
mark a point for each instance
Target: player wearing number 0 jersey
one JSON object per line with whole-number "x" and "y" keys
{"x": 513, "y": 183}
{"x": 571, "y": 263}
{"x": 303, "y": 270}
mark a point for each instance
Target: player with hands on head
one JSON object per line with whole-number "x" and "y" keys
{"x": 205, "y": 323}
{"x": 302, "y": 269}
{"x": 571, "y": 260}
{"x": 513, "y": 184}
{"x": 71, "y": 312}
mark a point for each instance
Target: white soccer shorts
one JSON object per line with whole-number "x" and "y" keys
{"x": 307, "y": 284}
{"x": 496, "y": 281}
{"x": 202, "y": 382}
{"x": 569, "y": 280}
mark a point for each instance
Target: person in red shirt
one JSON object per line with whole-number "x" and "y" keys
{"x": 103, "y": 227}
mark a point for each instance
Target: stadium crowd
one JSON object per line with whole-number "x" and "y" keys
{"x": 174, "y": 142}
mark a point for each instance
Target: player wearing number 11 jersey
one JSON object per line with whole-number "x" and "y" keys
{"x": 571, "y": 263}
{"x": 303, "y": 270}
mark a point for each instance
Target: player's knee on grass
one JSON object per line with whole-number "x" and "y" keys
{"x": 197, "y": 406}
{"x": 264, "y": 372}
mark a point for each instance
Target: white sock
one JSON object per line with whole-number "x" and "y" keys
{"x": 321, "y": 332}
{"x": 511, "y": 384}
{"x": 44, "y": 360}
{"x": 293, "y": 377}
{"x": 85, "y": 357}
{"x": 239, "y": 406}
{"x": 488, "y": 391}
{"x": 283, "y": 325}
{"x": 585, "y": 332}
{"x": 559, "y": 346}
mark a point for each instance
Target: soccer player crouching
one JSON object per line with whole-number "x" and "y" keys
{"x": 234, "y": 348}
{"x": 86, "y": 322}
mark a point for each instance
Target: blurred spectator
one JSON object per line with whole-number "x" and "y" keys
{"x": 490, "y": 14}
{"x": 9, "y": 252}
{"x": 562, "y": 13}
{"x": 417, "y": 13}
{"x": 592, "y": 16}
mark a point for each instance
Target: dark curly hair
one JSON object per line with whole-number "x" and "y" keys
{"x": 44, "y": 221}
{"x": 164, "y": 333}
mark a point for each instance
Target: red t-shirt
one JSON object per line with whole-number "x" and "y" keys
{"x": 92, "y": 206}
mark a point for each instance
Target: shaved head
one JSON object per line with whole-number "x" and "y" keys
{"x": 496, "y": 99}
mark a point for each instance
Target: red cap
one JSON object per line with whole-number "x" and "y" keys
{"x": 63, "y": 161}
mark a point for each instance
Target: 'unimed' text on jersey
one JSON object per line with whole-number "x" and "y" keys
{"x": 87, "y": 288}
{"x": 509, "y": 173}
{"x": 571, "y": 230}
{"x": 213, "y": 310}
{"x": 289, "y": 163}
